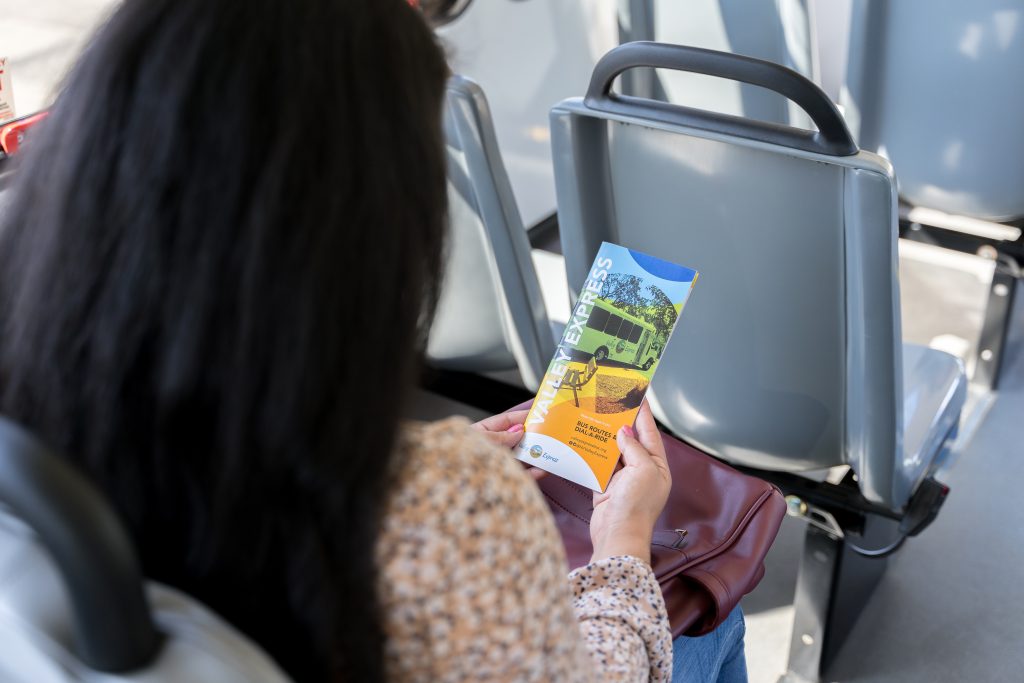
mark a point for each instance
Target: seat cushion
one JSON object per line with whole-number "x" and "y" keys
{"x": 934, "y": 392}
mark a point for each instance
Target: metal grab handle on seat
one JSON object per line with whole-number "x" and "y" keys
{"x": 112, "y": 627}
{"x": 832, "y": 137}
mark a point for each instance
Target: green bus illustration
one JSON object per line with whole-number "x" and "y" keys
{"x": 615, "y": 334}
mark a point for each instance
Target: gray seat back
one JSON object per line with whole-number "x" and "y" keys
{"x": 937, "y": 86}
{"x": 787, "y": 355}
{"x": 491, "y": 315}
{"x": 72, "y": 604}
{"x": 36, "y": 633}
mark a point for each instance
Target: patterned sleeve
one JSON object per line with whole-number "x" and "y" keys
{"x": 623, "y": 619}
{"x": 473, "y": 580}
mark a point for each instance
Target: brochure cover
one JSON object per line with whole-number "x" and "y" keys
{"x": 604, "y": 364}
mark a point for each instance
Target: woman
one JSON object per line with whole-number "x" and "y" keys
{"x": 220, "y": 263}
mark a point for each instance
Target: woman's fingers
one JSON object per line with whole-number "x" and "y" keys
{"x": 599, "y": 496}
{"x": 502, "y": 422}
{"x": 633, "y": 452}
{"x": 536, "y": 473}
{"x": 509, "y": 438}
{"x": 642, "y": 445}
{"x": 649, "y": 436}
{"x": 647, "y": 432}
{"x": 638, "y": 446}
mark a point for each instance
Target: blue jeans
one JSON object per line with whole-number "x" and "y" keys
{"x": 713, "y": 658}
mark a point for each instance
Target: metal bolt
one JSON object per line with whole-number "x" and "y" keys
{"x": 986, "y": 355}
{"x": 1000, "y": 290}
{"x": 795, "y": 507}
{"x": 807, "y": 639}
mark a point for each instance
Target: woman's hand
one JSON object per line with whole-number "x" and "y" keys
{"x": 624, "y": 515}
{"x": 506, "y": 430}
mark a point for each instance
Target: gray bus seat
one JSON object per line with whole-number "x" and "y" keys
{"x": 938, "y": 88}
{"x": 72, "y": 603}
{"x": 934, "y": 394}
{"x": 789, "y": 356}
{"x": 491, "y": 316}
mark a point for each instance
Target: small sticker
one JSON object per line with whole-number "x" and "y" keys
{"x": 6, "y": 92}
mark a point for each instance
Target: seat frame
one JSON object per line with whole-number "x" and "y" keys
{"x": 503, "y": 247}
{"x": 847, "y": 545}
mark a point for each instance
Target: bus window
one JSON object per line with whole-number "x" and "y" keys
{"x": 598, "y": 318}
{"x": 634, "y": 337}
{"x": 612, "y": 328}
{"x": 625, "y": 330}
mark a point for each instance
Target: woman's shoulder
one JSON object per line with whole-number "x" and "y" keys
{"x": 472, "y": 574}
{"x": 455, "y": 499}
{"x": 452, "y": 468}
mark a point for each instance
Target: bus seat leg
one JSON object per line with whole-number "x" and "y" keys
{"x": 833, "y": 585}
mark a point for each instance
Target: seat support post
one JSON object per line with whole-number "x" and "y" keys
{"x": 998, "y": 313}
{"x": 833, "y": 585}
{"x": 819, "y": 563}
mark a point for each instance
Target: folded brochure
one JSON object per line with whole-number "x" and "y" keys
{"x": 604, "y": 364}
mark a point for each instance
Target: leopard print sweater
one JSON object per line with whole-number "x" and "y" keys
{"x": 472, "y": 577}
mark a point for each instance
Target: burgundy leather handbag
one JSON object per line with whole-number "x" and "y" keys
{"x": 709, "y": 544}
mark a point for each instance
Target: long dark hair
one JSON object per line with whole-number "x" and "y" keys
{"x": 222, "y": 252}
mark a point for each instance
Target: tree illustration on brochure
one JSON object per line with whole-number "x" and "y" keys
{"x": 627, "y": 293}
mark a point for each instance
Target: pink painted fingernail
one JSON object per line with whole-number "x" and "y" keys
{"x": 629, "y": 432}
{"x": 515, "y": 428}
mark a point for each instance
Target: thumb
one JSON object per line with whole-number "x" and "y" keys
{"x": 633, "y": 452}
